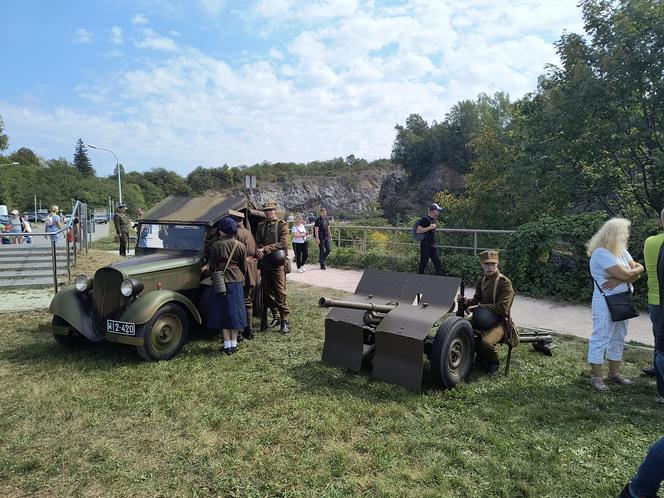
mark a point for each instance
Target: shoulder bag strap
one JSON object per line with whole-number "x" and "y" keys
{"x": 230, "y": 255}
{"x": 599, "y": 288}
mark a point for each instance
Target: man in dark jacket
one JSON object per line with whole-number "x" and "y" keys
{"x": 427, "y": 225}
{"x": 121, "y": 222}
{"x": 323, "y": 237}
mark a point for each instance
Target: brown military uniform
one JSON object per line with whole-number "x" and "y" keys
{"x": 121, "y": 222}
{"x": 221, "y": 250}
{"x": 271, "y": 236}
{"x": 251, "y": 276}
{"x": 496, "y": 294}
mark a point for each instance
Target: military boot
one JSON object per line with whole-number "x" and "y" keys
{"x": 275, "y": 321}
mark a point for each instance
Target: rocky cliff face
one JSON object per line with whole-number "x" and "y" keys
{"x": 402, "y": 197}
{"x": 344, "y": 195}
{"x": 347, "y": 195}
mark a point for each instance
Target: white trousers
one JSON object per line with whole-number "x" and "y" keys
{"x": 608, "y": 337}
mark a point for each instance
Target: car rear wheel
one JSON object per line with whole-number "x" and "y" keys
{"x": 73, "y": 340}
{"x": 164, "y": 334}
{"x": 452, "y": 352}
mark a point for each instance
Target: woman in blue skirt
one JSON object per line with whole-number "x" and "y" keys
{"x": 227, "y": 311}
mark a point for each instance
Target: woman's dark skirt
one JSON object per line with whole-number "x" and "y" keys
{"x": 226, "y": 311}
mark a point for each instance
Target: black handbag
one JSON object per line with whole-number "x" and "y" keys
{"x": 620, "y": 305}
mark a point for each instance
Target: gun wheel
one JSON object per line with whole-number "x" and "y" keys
{"x": 452, "y": 352}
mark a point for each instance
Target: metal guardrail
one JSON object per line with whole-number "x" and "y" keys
{"x": 79, "y": 211}
{"x": 394, "y": 233}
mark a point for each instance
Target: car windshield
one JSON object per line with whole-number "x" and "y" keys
{"x": 171, "y": 236}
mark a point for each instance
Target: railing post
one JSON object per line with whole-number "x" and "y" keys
{"x": 475, "y": 243}
{"x": 68, "y": 262}
{"x": 55, "y": 264}
{"x": 339, "y": 237}
{"x": 365, "y": 240}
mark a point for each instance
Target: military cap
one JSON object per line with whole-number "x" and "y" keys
{"x": 489, "y": 257}
{"x": 269, "y": 205}
{"x": 235, "y": 214}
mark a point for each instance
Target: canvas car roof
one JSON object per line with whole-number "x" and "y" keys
{"x": 194, "y": 210}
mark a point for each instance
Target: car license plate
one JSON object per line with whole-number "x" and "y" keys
{"x": 123, "y": 328}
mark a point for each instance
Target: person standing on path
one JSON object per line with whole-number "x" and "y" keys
{"x": 17, "y": 226}
{"x": 653, "y": 254}
{"x": 300, "y": 244}
{"x": 121, "y": 222}
{"x": 613, "y": 270}
{"x": 323, "y": 237}
{"x": 428, "y": 250}
{"x": 53, "y": 223}
{"x": 271, "y": 238}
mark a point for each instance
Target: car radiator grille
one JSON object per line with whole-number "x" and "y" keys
{"x": 107, "y": 300}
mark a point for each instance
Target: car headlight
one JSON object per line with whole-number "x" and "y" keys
{"x": 130, "y": 287}
{"x": 83, "y": 283}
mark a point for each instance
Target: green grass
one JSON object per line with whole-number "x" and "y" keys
{"x": 275, "y": 421}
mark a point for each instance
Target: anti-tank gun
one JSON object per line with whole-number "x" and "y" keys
{"x": 387, "y": 323}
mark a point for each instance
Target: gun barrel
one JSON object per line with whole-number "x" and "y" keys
{"x": 325, "y": 302}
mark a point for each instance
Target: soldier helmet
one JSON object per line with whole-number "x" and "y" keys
{"x": 277, "y": 258}
{"x": 484, "y": 319}
{"x": 269, "y": 205}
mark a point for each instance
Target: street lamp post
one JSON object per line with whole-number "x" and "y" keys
{"x": 117, "y": 166}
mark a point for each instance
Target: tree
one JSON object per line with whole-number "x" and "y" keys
{"x": 4, "y": 140}
{"x": 82, "y": 161}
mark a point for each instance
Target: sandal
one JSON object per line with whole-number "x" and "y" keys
{"x": 598, "y": 383}
{"x": 623, "y": 381}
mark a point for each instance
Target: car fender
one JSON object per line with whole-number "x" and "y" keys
{"x": 76, "y": 308}
{"x": 143, "y": 308}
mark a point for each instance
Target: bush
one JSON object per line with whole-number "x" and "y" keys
{"x": 547, "y": 258}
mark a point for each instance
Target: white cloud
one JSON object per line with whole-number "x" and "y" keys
{"x": 335, "y": 80}
{"x": 116, "y": 35}
{"x": 212, "y": 6}
{"x": 139, "y": 19}
{"x": 82, "y": 36}
{"x": 155, "y": 41}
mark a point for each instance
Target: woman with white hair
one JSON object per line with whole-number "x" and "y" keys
{"x": 614, "y": 270}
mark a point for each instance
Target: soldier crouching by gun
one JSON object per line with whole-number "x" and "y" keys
{"x": 490, "y": 308}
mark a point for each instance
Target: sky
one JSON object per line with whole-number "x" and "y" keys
{"x": 182, "y": 84}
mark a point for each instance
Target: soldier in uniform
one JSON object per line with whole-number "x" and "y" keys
{"x": 121, "y": 222}
{"x": 272, "y": 236}
{"x": 245, "y": 236}
{"x": 491, "y": 306}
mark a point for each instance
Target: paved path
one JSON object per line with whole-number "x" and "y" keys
{"x": 562, "y": 318}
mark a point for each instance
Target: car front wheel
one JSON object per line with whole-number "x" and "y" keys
{"x": 164, "y": 334}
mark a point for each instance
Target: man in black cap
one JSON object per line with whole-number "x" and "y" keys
{"x": 121, "y": 222}
{"x": 427, "y": 227}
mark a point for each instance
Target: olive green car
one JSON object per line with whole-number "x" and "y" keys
{"x": 150, "y": 301}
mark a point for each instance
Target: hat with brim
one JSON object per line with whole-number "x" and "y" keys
{"x": 489, "y": 257}
{"x": 269, "y": 205}
{"x": 14, "y": 211}
{"x": 235, "y": 214}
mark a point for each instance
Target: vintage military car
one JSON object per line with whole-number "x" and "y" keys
{"x": 152, "y": 300}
